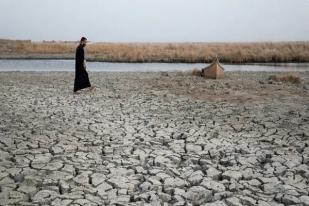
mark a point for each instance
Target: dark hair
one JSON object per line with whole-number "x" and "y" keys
{"x": 83, "y": 39}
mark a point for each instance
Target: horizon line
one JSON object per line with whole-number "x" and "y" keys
{"x": 153, "y": 42}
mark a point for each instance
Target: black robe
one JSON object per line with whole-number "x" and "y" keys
{"x": 81, "y": 75}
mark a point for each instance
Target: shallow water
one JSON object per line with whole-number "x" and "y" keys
{"x": 68, "y": 65}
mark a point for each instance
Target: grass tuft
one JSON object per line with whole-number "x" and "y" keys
{"x": 289, "y": 78}
{"x": 196, "y": 72}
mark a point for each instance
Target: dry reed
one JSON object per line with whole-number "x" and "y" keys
{"x": 164, "y": 52}
{"x": 196, "y": 72}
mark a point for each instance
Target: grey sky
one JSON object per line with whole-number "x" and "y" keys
{"x": 156, "y": 20}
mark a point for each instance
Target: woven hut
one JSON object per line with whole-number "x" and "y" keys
{"x": 213, "y": 71}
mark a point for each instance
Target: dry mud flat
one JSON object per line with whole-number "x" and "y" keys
{"x": 153, "y": 139}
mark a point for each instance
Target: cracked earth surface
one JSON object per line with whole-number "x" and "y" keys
{"x": 153, "y": 139}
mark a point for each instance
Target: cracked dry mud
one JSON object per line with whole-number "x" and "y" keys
{"x": 153, "y": 139}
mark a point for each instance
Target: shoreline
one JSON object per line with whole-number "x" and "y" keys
{"x": 145, "y": 62}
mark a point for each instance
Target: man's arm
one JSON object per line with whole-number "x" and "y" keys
{"x": 84, "y": 65}
{"x": 83, "y": 58}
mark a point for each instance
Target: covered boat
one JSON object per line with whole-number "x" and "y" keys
{"x": 213, "y": 71}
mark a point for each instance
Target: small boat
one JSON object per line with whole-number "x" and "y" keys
{"x": 213, "y": 71}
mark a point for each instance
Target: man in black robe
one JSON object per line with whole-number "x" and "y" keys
{"x": 81, "y": 75}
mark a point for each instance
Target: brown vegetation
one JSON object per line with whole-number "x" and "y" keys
{"x": 196, "y": 72}
{"x": 290, "y": 78}
{"x": 162, "y": 52}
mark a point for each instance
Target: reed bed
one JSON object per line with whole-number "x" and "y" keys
{"x": 163, "y": 52}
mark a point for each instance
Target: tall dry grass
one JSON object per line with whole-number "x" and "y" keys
{"x": 166, "y": 52}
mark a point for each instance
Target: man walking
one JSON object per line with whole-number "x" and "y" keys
{"x": 81, "y": 75}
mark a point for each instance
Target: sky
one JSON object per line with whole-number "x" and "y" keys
{"x": 155, "y": 20}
